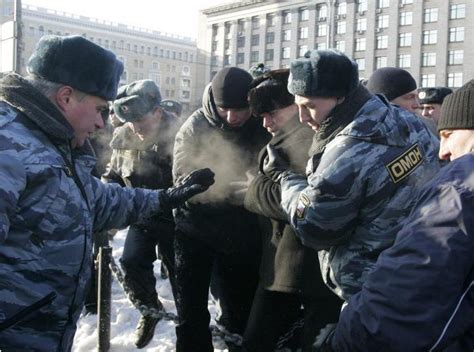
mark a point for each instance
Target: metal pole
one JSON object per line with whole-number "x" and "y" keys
{"x": 17, "y": 36}
{"x": 104, "y": 299}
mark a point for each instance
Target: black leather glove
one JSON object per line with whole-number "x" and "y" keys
{"x": 196, "y": 182}
{"x": 323, "y": 340}
{"x": 274, "y": 165}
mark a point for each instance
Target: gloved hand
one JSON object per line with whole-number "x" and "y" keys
{"x": 239, "y": 189}
{"x": 274, "y": 165}
{"x": 196, "y": 182}
{"x": 323, "y": 340}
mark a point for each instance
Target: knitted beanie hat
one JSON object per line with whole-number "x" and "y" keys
{"x": 392, "y": 82}
{"x": 457, "y": 111}
{"x": 230, "y": 87}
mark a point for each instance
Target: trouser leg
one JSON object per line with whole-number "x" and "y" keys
{"x": 194, "y": 262}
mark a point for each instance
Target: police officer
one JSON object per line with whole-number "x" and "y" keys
{"x": 367, "y": 160}
{"x": 431, "y": 99}
{"x": 142, "y": 157}
{"x": 50, "y": 204}
{"x": 420, "y": 294}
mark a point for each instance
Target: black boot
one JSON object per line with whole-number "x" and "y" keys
{"x": 145, "y": 331}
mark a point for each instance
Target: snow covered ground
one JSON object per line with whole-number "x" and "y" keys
{"x": 125, "y": 317}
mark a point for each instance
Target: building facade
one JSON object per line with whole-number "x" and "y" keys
{"x": 167, "y": 59}
{"x": 428, "y": 38}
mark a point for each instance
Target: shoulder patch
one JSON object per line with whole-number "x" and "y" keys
{"x": 405, "y": 164}
{"x": 303, "y": 204}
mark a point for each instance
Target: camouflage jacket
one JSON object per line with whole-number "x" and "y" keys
{"x": 352, "y": 204}
{"x": 137, "y": 163}
{"x": 49, "y": 207}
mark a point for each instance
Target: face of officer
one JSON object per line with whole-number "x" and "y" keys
{"x": 275, "y": 120}
{"x": 144, "y": 126}
{"x": 234, "y": 117}
{"x": 455, "y": 143}
{"x": 431, "y": 111}
{"x": 408, "y": 101}
{"x": 85, "y": 113}
{"x": 314, "y": 110}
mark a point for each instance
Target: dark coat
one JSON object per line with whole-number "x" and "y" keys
{"x": 205, "y": 140}
{"x": 420, "y": 295}
{"x": 286, "y": 264}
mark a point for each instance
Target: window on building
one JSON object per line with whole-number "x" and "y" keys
{"x": 214, "y": 45}
{"x": 322, "y": 30}
{"x": 430, "y": 37}
{"x": 382, "y": 21}
{"x": 360, "y": 44}
{"x": 360, "y": 63}
{"x": 455, "y": 57}
{"x": 240, "y": 58}
{"x": 303, "y": 32}
{"x": 240, "y": 42}
{"x": 322, "y": 12}
{"x": 255, "y": 22}
{"x": 430, "y": 15}
{"x": 155, "y": 65}
{"x": 341, "y": 27}
{"x": 341, "y": 9}
{"x": 406, "y": 18}
{"x": 185, "y": 94}
{"x": 361, "y": 6}
{"x": 287, "y": 34}
{"x": 382, "y": 42}
{"x": 302, "y": 50}
{"x": 270, "y": 37}
{"x": 155, "y": 77}
{"x": 254, "y": 56}
{"x": 361, "y": 24}
{"x": 341, "y": 45}
{"x": 270, "y": 19}
{"x": 380, "y": 61}
{"x": 226, "y": 44}
{"x": 456, "y": 34}
{"x": 241, "y": 25}
{"x": 255, "y": 39}
{"x": 454, "y": 79}
{"x": 381, "y": 4}
{"x": 304, "y": 14}
{"x": 405, "y": 39}
{"x": 428, "y": 80}
{"x": 457, "y": 11}
{"x": 185, "y": 83}
{"x": 404, "y": 60}
{"x": 173, "y": 81}
{"x": 227, "y": 59}
{"x": 321, "y": 46}
{"x": 285, "y": 53}
{"x": 428, "y": 59}
{"x": 269, "y": 54}
{"x": 286, "y": 17}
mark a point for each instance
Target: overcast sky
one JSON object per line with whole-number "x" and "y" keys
{"x": 172, "y": 16}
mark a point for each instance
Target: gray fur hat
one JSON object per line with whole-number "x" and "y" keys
{"x": 323, "y": 73}
{"x": 76, "y": 62}
{"x": 136, "y": 99}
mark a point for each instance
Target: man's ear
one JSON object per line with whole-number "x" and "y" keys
{"x": 63, "y": 98}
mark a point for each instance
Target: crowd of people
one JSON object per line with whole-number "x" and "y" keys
{"x": 320, "y": 211}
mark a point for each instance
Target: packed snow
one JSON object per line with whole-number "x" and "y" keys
{"x": 124, "y": 317}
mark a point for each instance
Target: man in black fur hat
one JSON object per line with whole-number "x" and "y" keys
{"x": 289, "y": 274}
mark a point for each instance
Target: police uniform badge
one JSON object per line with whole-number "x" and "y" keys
{"x": 303, "y": 204}
{"x": 404, "y": 164}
